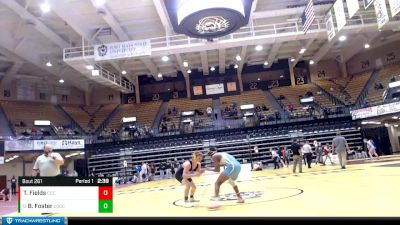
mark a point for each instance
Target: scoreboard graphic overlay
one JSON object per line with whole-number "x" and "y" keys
{"x": 65, "y": 195}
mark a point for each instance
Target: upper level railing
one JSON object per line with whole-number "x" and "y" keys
{"x": 114, "y": 78}
{"x": 273, "y": 30}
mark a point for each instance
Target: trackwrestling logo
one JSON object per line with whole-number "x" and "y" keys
{"x": 33, "y": 220}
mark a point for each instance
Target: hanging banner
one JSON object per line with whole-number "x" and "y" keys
{"x": 214, "y": 89}
{"x": 330, "y": 26}
{"x": 382, "y": 16}
{"x": 352, "y": 7}
{"x": 367, "y": 3}
{"x": 376, "y": 111}
{"x": 29, "y": 145}
{"x": 1, "y": 152}
{"x": 339, "y": 14}
{"x": 119, "y": 50}
{"x": 394, "y": 7}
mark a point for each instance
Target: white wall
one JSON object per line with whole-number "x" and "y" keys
{"x": 330, "y": 68}
{"x": 367, "y": 59}
{"x": 100, "y": 96}
{"x": 394, "y": 134}
{"x": 75, "y": 96}
{"x": 14, "y": 168}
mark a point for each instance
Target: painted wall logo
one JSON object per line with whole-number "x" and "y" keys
{"x": 102, "y": 49}
{"x": 212, "y": 24}
{"x": 9, "y": 220}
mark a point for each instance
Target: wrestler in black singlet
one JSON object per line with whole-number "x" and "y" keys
{"x": 179, "y": 172}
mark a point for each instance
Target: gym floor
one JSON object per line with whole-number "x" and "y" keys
{"x": 370, "y": 188}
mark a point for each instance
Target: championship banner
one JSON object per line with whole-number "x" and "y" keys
{"x": 330, "y": 26}
{"x": 376, "y": 111}
{"x": 394, "y": 7}
{"x": 30, "y": 145}
{"x": 382, "y": 16}
{"x": 367, "y": 3}
{"x": 120, "y": 50}
{"x": 352, "y": 7}
{"x": 339, "y": 13}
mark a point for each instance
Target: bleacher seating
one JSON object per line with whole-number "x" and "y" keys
{"x": 292, "y": 99}
{"x": 375, "y": 95}
{"x": 145, "y": 114}
{"x": 201, "y": 118}
{"x": 357, "y": 84}
{"x": 89, "y": 117}
{"x": 108, "y": 161}
{"x": 256, "y": 97}
{"x": 28, "y": 112}
{"x": 346, "y": 90}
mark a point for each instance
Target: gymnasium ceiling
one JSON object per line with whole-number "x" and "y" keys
{"x": 29, "y": 38}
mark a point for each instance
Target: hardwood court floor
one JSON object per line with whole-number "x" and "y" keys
{"x": 369, "y": 189}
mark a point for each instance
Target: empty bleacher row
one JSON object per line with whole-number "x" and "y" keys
{"x": 230, "y": 105}
{"x": 289, "y": 98}
{"x": 177, "y": 106}
{"x": 23, "y": 114}
{"x": 89, "y": 117}
{"x": 376, "y": 93}
{"x": 345, "y": 89}
{"x": 109, "y": 161}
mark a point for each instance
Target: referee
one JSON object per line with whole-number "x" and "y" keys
{"x": 48, "y": 164}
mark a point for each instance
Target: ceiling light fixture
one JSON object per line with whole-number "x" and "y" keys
{"x": 238, "y": 58}
{"x": 48, "y": 64}
{"x": 99, "y": 3}
{"x": 259, "y": 48}
{"x": 236, "y": 66}
{"x": 366, "y": 45}
{"x": 189, "y": 71}
{"x": 95, "y": 72}
{"x": 45, "y": 7}
{"x": 212, "y": 68}
{"x": 165, "y": 58}
{"x": 185, "y": 64}
{"x": 61, "y": 81}
{"x": 266, "y": 63}
{"x": 342, "y": 38}
{"x": 159, "y": 75}
{"x": 123, "y": 72}
{"x": 89, "y": 67}
{"x": 311, "y": 62}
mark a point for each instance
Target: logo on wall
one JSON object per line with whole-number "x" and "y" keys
{"x": 102, "y": 49}
{"x": 274, "y": 83}
{"x": 299, "y": 80}
{"x": 131, "y": 100}
{"x": 212, "y": 24}
{"x": 253, "y": 86}
{"x": 156, "y": 97}
{"x": 390, "y": 57}
{"x": 175, "y": 94}
{"x": 321, "y": 73}
{"x": 365, "y": 64}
